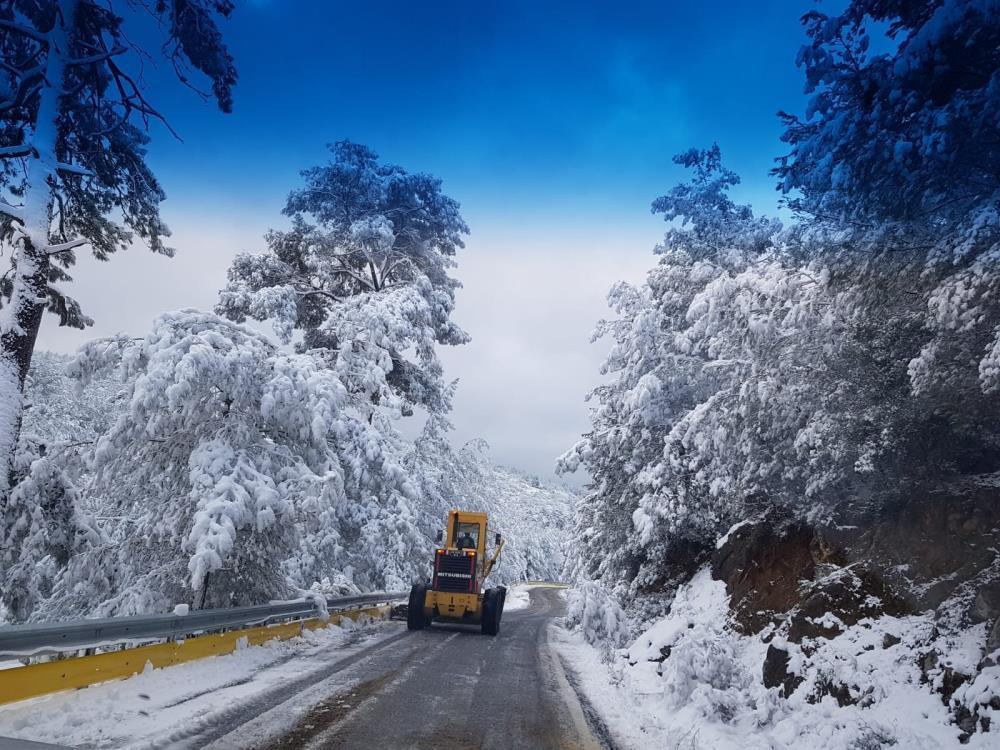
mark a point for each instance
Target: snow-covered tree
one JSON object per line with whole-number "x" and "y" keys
{"x": 41, "y": 529}
{"x": 363, "y": 275}
{"x": 844, "y": 362}
{"x": 46, "y": 522}
{"x": 73, "y": 120}
{"x": 236, "y": 474}
{"x": 896, "y": 145}
{"x": 895, "y": 170}
{"x": 59, "y": 413}
{"x": 650, "y": 484}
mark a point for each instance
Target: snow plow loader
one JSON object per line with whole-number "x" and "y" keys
{"x": 455, "y": 593}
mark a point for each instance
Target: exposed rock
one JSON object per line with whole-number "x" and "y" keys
{"x": 951, "y": 681}
{"x": 912, "y": 556}
{"x": 762, "y": 568}
{"x": 805, "y": 584}
{"x": 841, "y": 693}
{"x": 946, "y": 679}
{"x": 842, "y": 599}
{"x": 928, "y": 662}
{"x": 776, "y": 673}
{"x": 986, "y": 605}
{"x": 927, "y": 547}
{"x": 993, "y": 638}
{"x": 966, "y": 722}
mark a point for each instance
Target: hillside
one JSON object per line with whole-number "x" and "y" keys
{"x": 71, "y": 427}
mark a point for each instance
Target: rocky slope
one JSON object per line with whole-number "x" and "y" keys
{"x": 882, "y": 630}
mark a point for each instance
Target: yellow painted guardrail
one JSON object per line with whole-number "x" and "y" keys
{"x": 20, "y": 683}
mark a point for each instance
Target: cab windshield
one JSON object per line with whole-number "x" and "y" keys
{"x": 466, "y": 535}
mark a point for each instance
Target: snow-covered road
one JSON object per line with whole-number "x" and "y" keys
{"x": 374, "y": 685}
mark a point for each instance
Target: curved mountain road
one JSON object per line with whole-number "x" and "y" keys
{"x": 443, "y": 687}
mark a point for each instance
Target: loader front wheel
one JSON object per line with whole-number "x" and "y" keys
{"x": 415, "y": 619}
{"x": 491, "y": 612}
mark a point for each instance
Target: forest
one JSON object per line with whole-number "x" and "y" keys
{"x": 781, "y": 521}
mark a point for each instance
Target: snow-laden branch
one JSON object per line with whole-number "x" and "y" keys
{"x": 23, "y": 30}
{"x": 97, "y": 57}
{"x": 346, "y": 271}
{"x": 63, "y": 247}
{"x": 15, "y": 212}
{"x": 8, "y": 152}
{"x": 320, "y": 293}
{"x": 74, "y": 169}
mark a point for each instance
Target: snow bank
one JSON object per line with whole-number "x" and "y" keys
{"x": 689, "y": 680}
{"x": 159, "y": 707}
{"x": 518, "y": 597}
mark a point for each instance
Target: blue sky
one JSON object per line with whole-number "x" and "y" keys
{"x": 532, "y": 107}
{"x": 553, "y": 124}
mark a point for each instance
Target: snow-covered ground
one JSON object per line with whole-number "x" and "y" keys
{"x": 163, "y": 707}
{"x": 518, "y": 596}
{"x": 690, "y": 682}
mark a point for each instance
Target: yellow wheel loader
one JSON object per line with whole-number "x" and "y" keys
{"x": 461, "y": 566}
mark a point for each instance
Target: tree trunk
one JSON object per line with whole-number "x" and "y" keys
{"x": 204, "y": 590}
{"x": 17, "y": 343}
{"x": 21, "y": 318}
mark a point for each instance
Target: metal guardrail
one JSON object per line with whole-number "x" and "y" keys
{"x": 48, "y": 638}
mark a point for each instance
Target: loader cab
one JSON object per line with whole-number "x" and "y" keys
{"x": 466, "y": 535}
{"x": 467, "y": 531}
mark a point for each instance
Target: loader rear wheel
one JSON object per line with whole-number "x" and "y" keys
{"x": 491, "y": 612}
{"x": 415, "y": 619}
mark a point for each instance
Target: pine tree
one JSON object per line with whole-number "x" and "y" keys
{"x": 40, "y": 530}
{"x": 896, "y": 167}
{"x": 237, "y": 473}
{"x": 363, "y": 275}
{"x": 72, "y": 147}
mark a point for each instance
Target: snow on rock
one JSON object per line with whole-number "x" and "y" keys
{"x": 722, "y": 540}
{"x": 691, "y": 680}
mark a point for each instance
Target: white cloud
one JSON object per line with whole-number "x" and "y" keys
{"x": 530, "y": 299}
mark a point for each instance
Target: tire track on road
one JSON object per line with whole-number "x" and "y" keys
{"x": 218, "y": 725}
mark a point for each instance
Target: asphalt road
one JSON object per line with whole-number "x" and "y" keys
{"x": 450, "y": 687}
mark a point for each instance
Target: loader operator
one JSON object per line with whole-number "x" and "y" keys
{"x": 465, "y": 541}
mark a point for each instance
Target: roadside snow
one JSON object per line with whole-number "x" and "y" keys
{"x": 517, "y": 598}
{"x": 690, "y": 681}
{"x": 151, "y": 708}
